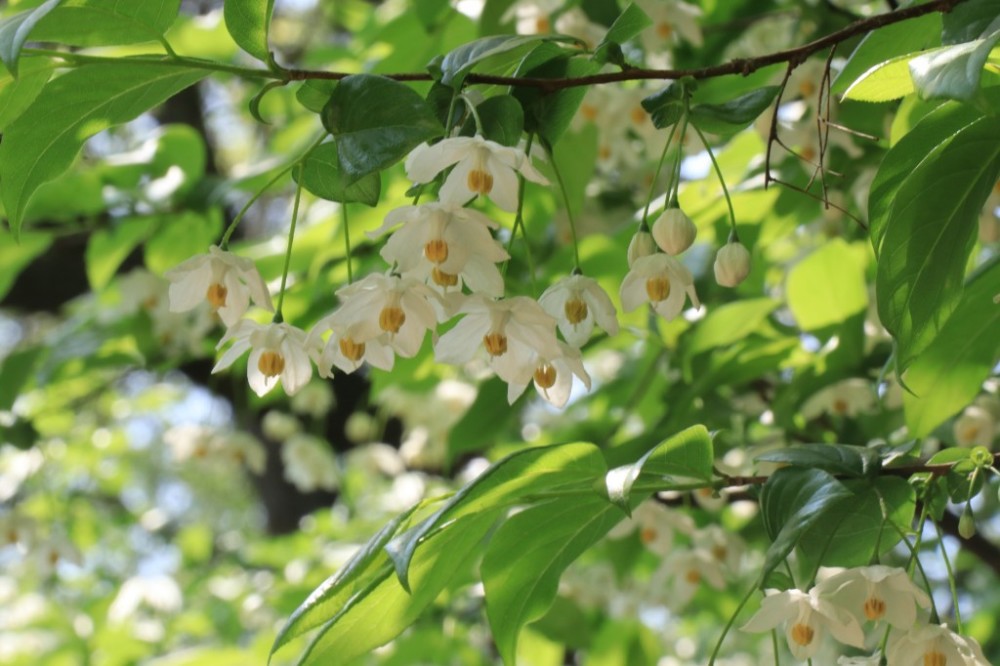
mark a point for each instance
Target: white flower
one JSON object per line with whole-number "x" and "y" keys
{"x": 641, "y": 245}
{"x": 444, "y": 242}
{"x": 732, "y": 264}
{"x": 514, "y": 332}
{"x": 49, "y": 553}
{"x": 687, "y": 570}
{"x": 189, "y": 440}
{"x": 226, "y": 281}
{"x": 674, "y": 231}
{"x": 726, "y": 547}
{"x": 671, "y": 20}
{"x": 349, "y": 346}
{"x": 553, "y": 377}
{"x": 807, "y": 616}
{"x": 661, "y": 281}
{"x": 876, "y": 592}
{"x": 314, "y": 400}
{"x": 309, "y": 463}
{"x": 279, "y": 426}
{"x": 656, "y": 525}
{"x": 577, "y": 302}
{"x": 934, "y": 644}
{"x": 159, "y": 592}
{"x": 532, "y": 16}
{"x": 16, "y": 530}
{"x": 846, "y": 398}
{"x": 975, "y": 426}
{"x": 241, "y": 448}
{"x": 870, "y": 660}
{"x": 277, "y": 353}
{"x": 482, "y": 167}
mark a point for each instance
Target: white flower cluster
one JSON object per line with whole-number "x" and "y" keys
{"x": 842, "y": 603}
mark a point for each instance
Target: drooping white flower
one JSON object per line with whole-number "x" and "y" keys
{"x": 47, "y": 554}
{"x": 661, "y": 281}
{"x": 807, "y": 617}
{"x": 727, "y": 548}
{"x": 446, "y": 243}
{"x": 875, "y": 593}
{"x": 514, "y": 332}
{"x": 974, "y": 427}
{"x": 641, "y": 245}
{"x": 532, "y": 17}
{"x": 226, "y": 281}
{"x": 933, "y": 644}
{"x": 315, "y": 400}
{"x": 672, "y": 21}
{"x": 553, "y": 377}
{"x": 577, "y": 302}
{"x": 656, "y": 525}
{"x": 846, "y": 398}
{"x": 279, "y": 426}
{"x": 732, "y": 264}
{"x": 278, "y": 353}
{"x": 241, "y": 448}
{"x": 481, "y": 167}
{"x": 687, "y": 570}
{"x": 160, "y": 593}
{"x": 309, "y": 463}
{"x": 674, "y": 231}
{"x": 350, "y": 345}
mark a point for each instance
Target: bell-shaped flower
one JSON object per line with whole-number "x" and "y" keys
{"x": 641, "y": 245}
{"x": 846, "y": 399}
{"x": 577, "y": 302}
{"x": 933, "y": 644}
{"x": 553, "y": 377}
{"x": 876, "y": 593}
{"x": 674, "y": 231}
{"x": 661, "y": 281}
{"x": 514, "y": 332}
{"x": 278, "y": 352}
{"x": 672, "y": 21}
{"x": 481, "y": 167}
{"x": 687, "y": 570}
{"x": 807, "y": 617}
{"x": 732, "y": 264}
{"x": 445, "y": 243}
{"x": 226, "y": 281}
{"x": 656, "y": 525}
{"x": 727, "y": 548}
{"x": 309, "y": 463}
{"x": 351, "y": 344}
{"x": 974, "y": 427}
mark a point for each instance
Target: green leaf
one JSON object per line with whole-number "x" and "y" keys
{"x": 502, "y": 119}
{"x": 382, "y": 609}
{"x": 369, "y": 563}
{"x": 248, "y": 22}
{"x": 969, "y": 20}
{"x": 951, "y": 371}
{"x": 180, "y": 237}
{"x": 931, "y": 230}
{"x": 16, "y": 254}
{"x": 14, "y": 31}
{"x": 43, "y": 142}
{"x": 457, "y": 63}
{"x": 16, "y": 95}
{"x": 430, "y": 11}
{"x": 377, "y": 121}
{"x": 550, "y": 114}
{"x": 314, "y": 93}
{"x": 527, "y": 555}
{"x": 884, "y": 82}
{"x": 665, "y": 107}
{"x": 886, "y": 43}
{"x": 15, "y": 371}
{"x": 732, "y": 116}
{"x": 730, "y": 323}
{"x": 827, "y": 287}
{"x": 952, "y": 72}
{"x": 106, "y": 22}
{"x": 791, "y": 502}
{"x": 321, "y": 175}
{"x": 841, "y": 459}
{"x": 904, "y": 157}
{"x": 108, "y": 248}
{"x": 629, "y": 23}
{"x": 504, "y": 484}
{"x": 476, "y": 430}
{"x": 687, "y": 455}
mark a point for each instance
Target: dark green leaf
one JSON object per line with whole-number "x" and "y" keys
{"x": 931, "y": 230}
{"x": 430, "y": 11}
{"x": 457, "y": 63}
{"x": 665, "y": 107}
{"x": 248, "y": 21}
{"x": 734, "y": 115}
{"x": 952, "y": 72}
{"x": 791, "y": 502}
{"x": 886, "y": 43}
{"x": 629, "y": 23}
{"x": 951, "y": 371}
{"x": 14, "y": 31}
{"x": 321, "y": 175}
{"x": 504, "y": 484}
{"x": 16, "y": 254}
{"x": 15, "y": 371}
{"x": 43, "y": 142}
{"x": 502, "y": 119}
{"x": 550, "y": 114}
{"x": 840, "y": 459}
{"x": 377, "y": 121}
{"x": 968, "y": 20}
{"x": 107, "y": 22}
{"x": 687, "y": 455}
{"x": 477, "y": 427}
{"x": 527, "y": 555}
{"x": 314, "y": 93}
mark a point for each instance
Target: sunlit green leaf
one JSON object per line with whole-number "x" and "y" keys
{"x": 14, "y": 32}
{"x": 953, "y": 72}
{"x": 886, "y": 43}
{"x": 248, "y": 21}
{"x": 108, "y": 248}
{"x": 883, "y": 82}
{"x": 106, "y": 22}
{"x": 827, "y": 287}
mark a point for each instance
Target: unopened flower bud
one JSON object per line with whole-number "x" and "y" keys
{"x": 674, "y": 231}
{"x": 732, "y": 264}
{"x": 279, "y": 426}
{"x": 967, "y": 523}
{"x": 641, "y": 245}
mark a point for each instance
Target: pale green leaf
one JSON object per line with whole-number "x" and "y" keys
{"x": 107, "y": 22}
{"x": 952, "y": 72}
{"x": 886, "y": 43}
{"x": 17, "y": 94}
{"x": 827, "y": 287}
{"x": 884, "y": 82}
{"x": 108, "y": 248}
{"x": 248, "y": 21}
{"x": 14, "y": 31}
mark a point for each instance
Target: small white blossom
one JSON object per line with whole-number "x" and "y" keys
{"x": 309, "y": 463}
{"x": 674, "y": 231}
{"x": 482, "y": 167}
{"x": 846, "y": 398}
{"x": 279, "y": 426}
{"x": 974, "y": 427}
{"x": 661, "y": 281}
{"x": 807, "y": 616}
{"x": 672, "y": 21}
{"x": 553, "y": 377}
{"x": 641, "y": 245}
{"x": 159, "y": 593}
{"x": 577, "y": 302}
{"x": 875, "y": 593}
{"x": 349, "y": 345}
{"x": 732, "y": 264}
{"x": 933, "y": 644}
{"x": 687, "y": 570}
{"x": 726, "y": 547}
{"x": 656, "y": 525}
{"x": 277, "y": 353}
{"x": 315, "y": 400}
{"x": 869, "y": 660}
{"x": 226, "y": 281}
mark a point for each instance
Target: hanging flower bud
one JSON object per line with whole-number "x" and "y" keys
{"x": 674, "y": 231}
{"x": 732, "y": 264}
{"x": 967, "y": 523}
{"x": 641, "y": 245}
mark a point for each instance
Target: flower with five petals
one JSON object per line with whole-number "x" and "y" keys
{"x": 278, "y": 352}
{"x": 933, "y": 645}
{"x": 661, "y": 281}
{"x": 807, "y": 617}
{"x": 577, "y": 302}
{"x": 226, "y": 281}
{"x": 875, "y": 593}
{"x": 553, "y": 377}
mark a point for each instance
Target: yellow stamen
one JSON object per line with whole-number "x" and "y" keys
{"x": 391, "y": 319}
{"x": 638, "y": 115}
{"x": 216, "y": 295}
{"x": 480, "y": 181}
{"x": 719, "y": 553}
{"x": 803, "y": 634}
{"x": 271, "y": 363}
{"x": 589, "y": 112}
{"x": 664, "y": 30}
{"x": 647, "y": 535}
{"x": 809, "y": 154}
{"x": 444, "y": 279}
{"x": 495, "y": 343}
{"x": 545, "y": 376}
{"x": 542, "y": 24}
{"x": 576, "y": 310}
{"x": 935, "y": 658}
{"x": 436, "y": 251}
{"x": 658, "y": 288}
{"x": 807, "y": 88}
{"x": 840, "y": 406}
{"x": 353, "y": 351}
{"x": 874, "y": 608}
{"x": 692, "y": 577}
